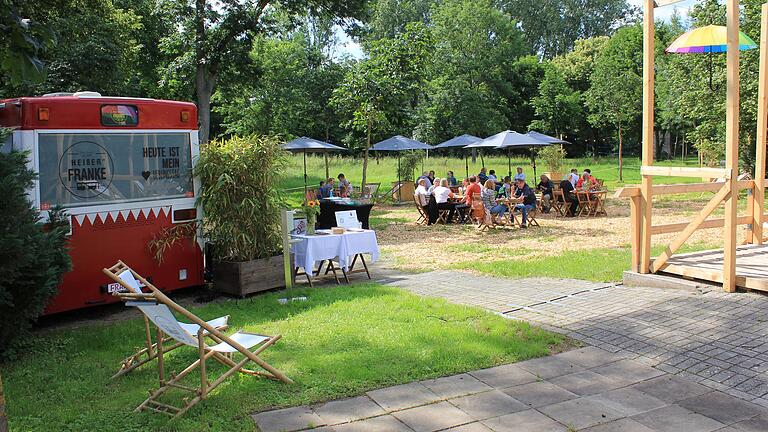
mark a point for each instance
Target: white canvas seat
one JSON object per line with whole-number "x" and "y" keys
{"x": 159, "y": 309}
{"x": 148, "y": 353}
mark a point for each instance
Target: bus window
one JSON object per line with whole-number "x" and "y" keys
{"x": 82, "y": 169}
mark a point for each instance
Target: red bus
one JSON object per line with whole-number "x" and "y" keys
{"x": 122, "y": 169}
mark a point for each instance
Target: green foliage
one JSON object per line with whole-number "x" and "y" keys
{"x": 33, "y": 256}
{"x": 341, "y": 342}
{"x": 409, "y": 163}
{"x": 554, "y": 157}
{"x": 711, "y": 152}
{"x": 552, "y": 27}
{"x": 558, "y": 107}
{"x": 22, "y": 44}
{"x": 240, "y": 196}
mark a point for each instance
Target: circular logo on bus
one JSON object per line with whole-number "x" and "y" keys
{"x": 86, "y": 169}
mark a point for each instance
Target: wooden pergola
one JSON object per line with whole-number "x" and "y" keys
{"x": 718, "y": 266}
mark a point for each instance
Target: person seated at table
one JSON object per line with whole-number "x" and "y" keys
{"x": 520, "y": 175}
{"x": 320, "y": 189}
{"x": 442, "y": 194}
{"x": 586, "y": 182}
{"x": 492, "y": 175}
{"x": 525, "y": 198}
{"x": 451, "y": 179}
{"x": 569, "y": 194}
{"x": 425, "y": 176}
{"x": 327, "y": 190}
{"x": 422, "y": 194}
{"x": 574, "y": 177}
{"x": 545, "y": 187}
{"x": 345, "y": 187}
{"x": 494, "y": 206}
{"x": 506, "y": 187}
{"x": 465, "y": 206}
{"x": 482, "y": 176}
{"x": 432, "y": 177}
{"x": 435, "y": 184}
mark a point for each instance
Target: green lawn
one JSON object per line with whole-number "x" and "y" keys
{"x": 341, "y": 342}
{"x": 598, "y": 265}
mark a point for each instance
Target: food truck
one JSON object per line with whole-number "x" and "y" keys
{"x": 121, "y": 168}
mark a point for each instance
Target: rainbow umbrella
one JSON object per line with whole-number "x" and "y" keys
{"x": 708, "y": 40}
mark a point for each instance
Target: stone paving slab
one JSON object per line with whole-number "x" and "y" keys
{"x": 713, "y": 338}
{"x": 644, "y": 401}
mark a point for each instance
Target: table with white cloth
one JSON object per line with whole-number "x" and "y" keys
{"x": 325, "y": 248}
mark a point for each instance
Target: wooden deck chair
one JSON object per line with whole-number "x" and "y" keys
{"x": 423, "y": 218}
{"x": 149, "y": 353}
{"x": 157, "y": 307}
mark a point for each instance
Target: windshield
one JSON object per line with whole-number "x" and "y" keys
{"x": 82, "y": 169}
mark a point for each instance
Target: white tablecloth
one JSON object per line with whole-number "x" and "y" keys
{"x": 313, "y": 248}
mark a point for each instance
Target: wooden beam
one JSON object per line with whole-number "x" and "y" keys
{"x": 709, "y": 223}
{"x": 669, "y": 189}
{"x": 758, "y": 197}
{"x": 690, "y": 228}
{"x": 712, "y": 173}
{"x": 754, "y": 283}
{"x": 649, "y": 36}
{"x": 731, "y": 144}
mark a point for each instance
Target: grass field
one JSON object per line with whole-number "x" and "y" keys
{"x": 341, "y": 342}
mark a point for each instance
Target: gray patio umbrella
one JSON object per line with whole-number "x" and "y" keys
{"x": 399, "y": 143}
{"x": 309, "y": 145}
{"x": 546, "y": 138}
{"x": 460, "y": 141}
{"x": 511, "y": 139}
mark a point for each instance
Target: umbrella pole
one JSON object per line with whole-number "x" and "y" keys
{"x": 533, "y": 159}
{"x": 509, "y": 163}
{"x": 710, "y": 72}
{"x": 327, "y": 174}
{"x": 482, "y": 161}
{"x": 466, "y": 164}
{"x": 305, "y": 174}
{"x": 399, "y": 183}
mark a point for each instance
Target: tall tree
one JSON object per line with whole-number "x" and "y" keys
{"x": 551, "y": 27}
{"x": 381, "y": 90}
{"x": 389, "y": 17}
{"x": 219, "y": 33}
{"x": 615, "y": 95}
{"x": 21, "y": 46}
{"x": 558, "y": 106}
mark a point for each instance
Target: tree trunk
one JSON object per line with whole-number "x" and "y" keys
{"x": 3, "y": 417}
{"x": 205, "y": 80}
{"x": 621, "y": 156}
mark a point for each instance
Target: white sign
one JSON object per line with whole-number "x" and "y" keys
{"x": 347, "y": 219}
{"x": 299, "y": 227}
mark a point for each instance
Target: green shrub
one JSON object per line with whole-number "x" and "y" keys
{"x": 240, "y": 196}
{"x": 33, "y": 256}
{"x": 554, "y": 157}
{"x": 409, "y": 162}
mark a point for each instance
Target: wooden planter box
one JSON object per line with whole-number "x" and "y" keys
{"x": 406, "y": 191}
{"x": 242, "y": 278}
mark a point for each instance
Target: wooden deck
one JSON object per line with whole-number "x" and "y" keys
{"x": 751, "y": 266}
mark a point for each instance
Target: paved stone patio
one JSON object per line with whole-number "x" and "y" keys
{"x": 714, "y": 338}
{"x": 588, "y": 389}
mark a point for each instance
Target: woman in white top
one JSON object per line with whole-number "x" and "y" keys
{"x": 442, "y": 194}
{"x": 435, "y": 184}
{"x": 422, "y": 194}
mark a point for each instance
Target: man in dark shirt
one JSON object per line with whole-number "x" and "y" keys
{"x": 545, "y": 187}
{"x": 526, "y": 200}
{"x": 569, "y": 194}
{"x": 482, "y": 176}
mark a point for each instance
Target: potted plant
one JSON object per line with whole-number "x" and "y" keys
{"x": 408, "y": 164}
{"x": 554, "y": 157}
{"x": 241, "y": 205}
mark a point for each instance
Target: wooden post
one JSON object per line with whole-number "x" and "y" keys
{"x": 635, "y": 220}
{"x": 758, "y": 195}
{"x": 201, "y": 352}
{"x": 731, "y": 145}
{"x": 160, "y": 360}
{"x": 649, "y": 34}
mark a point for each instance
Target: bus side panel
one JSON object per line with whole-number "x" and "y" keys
{"x": 98, "y": 241}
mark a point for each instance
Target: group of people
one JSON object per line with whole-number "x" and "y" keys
{"x": 328, "y": 186}
{"x": 435, "y": 194}
{"x": 497, "y": 196}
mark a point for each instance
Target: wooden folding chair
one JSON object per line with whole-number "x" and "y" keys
{"x": 585, "y": 205}
{"x": 423, "y": 218}
{"x": 157, "y": 307}
{"x": 480, "y": 215}
{"x": 559, "y": 203}
{"x": 149, "y": 353}
{"x": 531, "y": 216}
